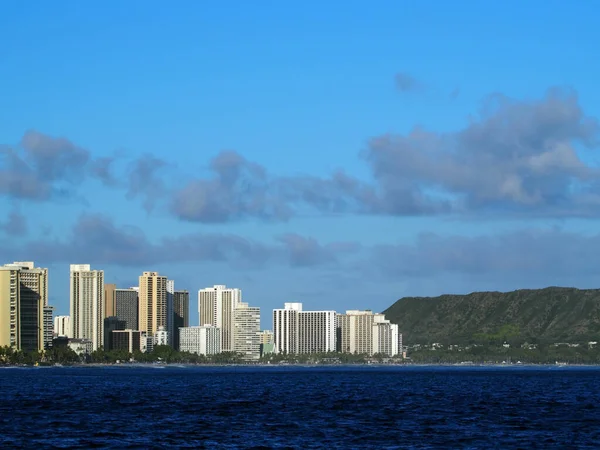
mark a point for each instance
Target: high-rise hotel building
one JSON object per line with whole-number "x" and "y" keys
{"x": 181, "y": 314}
{"x": 246, "y": 328}
{"x": 152, "y": 302}
{"x": 110, "y": 309}
{"x": 298, "y": 331}
{"x": 170, "y": 325}
{"x": 87, "y": 304}
{"x": 126, "y": 307}
{"x": 23, "y": 296}
{"x": 215, "y": 307}
{"x": 367, "y": 333}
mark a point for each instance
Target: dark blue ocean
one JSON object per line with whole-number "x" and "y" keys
{"x": 291, "y": 407}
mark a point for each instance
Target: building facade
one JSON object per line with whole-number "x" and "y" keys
{"x": 48, "y": 326}
{"x": 365, "y": 332}
{"x": 110, "y": 309}
{"x": 127, "y": 340}
{"x": 246, "y": 326}
{"x": 298, "y": 331}
{"x": 181, "y": 314}
{"x": 386, "y": 339}
{"x": 161, "y": 337}
{"x": 201, "y": 340}
{"x": 170, "y": 311}
{"x": 23, "y": 296}
{"x": 62, "y": 326}
{"x": 266, "y": 337}
{"x": 285, "y": 328}
{"x": 111, "y": 324}
{"x": 316, "y": 331}
{"x": 10, "y": 333}
{"x": 215, "y": 307}
{"x": 127, "y": 307}
{"x": 152, "y": 311}
{"x": 87, "y": 304}
{"x": 355, "y": 331}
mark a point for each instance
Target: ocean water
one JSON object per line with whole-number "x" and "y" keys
{"x": 295, "y": 407}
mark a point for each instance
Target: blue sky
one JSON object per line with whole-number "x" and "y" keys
{"x": 342, "y": 157}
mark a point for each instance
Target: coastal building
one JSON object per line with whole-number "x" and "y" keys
{"x": 110, "y": 309}
{"x": 365, "y": 332}
{"x": 126, "y": 307}
{"x": 316, "y": 331}
{"x": 161, "y": 337}
{"x": 246, "y": 326}
{"x": 23, "y": 295}
{"x": 48, "y": 326}
{"x": 81, "y": 346}
{"x": 62, "y": 326}
{"x": 10, "y": 335}
{"x": 152, "y": 306}
{"x": 202, "y": 340}
{"x": 386, "y": 339}
{"x": 112, "y": 324}
{"x": 181, "y": 314}
{"x": 285, "y": 328}
{"x": 266, "y": 337}
{"x": 87, "y": 304}
{"x": 170, "y": 324}
{"x": 355, "y": 331}
{"x": 267, "y": 342}
{"x": 215, "y": 307}
{"x": 128, "y": 340}
{"x": 298, "y": 331}
{"x": 146, "y": 343}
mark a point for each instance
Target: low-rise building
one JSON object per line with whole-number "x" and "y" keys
{"x": 203, "y": 340}
{"x": 161, "y": 337}
{"x": 128, "y": 340}
{"x": 81, "y": 346}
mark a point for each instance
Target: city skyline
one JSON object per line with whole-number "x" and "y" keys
{"x": 311, "y": 155}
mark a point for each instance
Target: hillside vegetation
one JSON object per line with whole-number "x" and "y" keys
{"x": 547, "y": 315}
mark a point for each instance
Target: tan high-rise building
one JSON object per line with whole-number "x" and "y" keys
{"x": 87, "y": 304}
{"x": 215, "y": 307}
{"x": 152, "y": 302}
{"x": 23, "y": 295}
{"x": 110, "y": 300}
{"x": 246, "y": 326}
{"x": 365, "y": 332}
{"x": 9, "y": 308}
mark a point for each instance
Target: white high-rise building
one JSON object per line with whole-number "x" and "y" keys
{"x": 203, "y": 340}
{"x": 316, "y": 331}
{"x": 285, "y": 328}
{"x": 246, "y": 328}
{"x": 87, "y": 304}
{"x": 298, "y": 331}
{"x": 386, "y": 339}
{"x": 215, "y": 307}
{"x": 62, "y": 326}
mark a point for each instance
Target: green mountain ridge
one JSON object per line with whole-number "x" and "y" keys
{"x": 549, "y": 315}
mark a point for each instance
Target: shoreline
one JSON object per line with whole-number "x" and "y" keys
{"x": 142, "y": 365}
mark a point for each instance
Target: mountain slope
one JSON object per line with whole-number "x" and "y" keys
{"x": 549, "y": 315}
